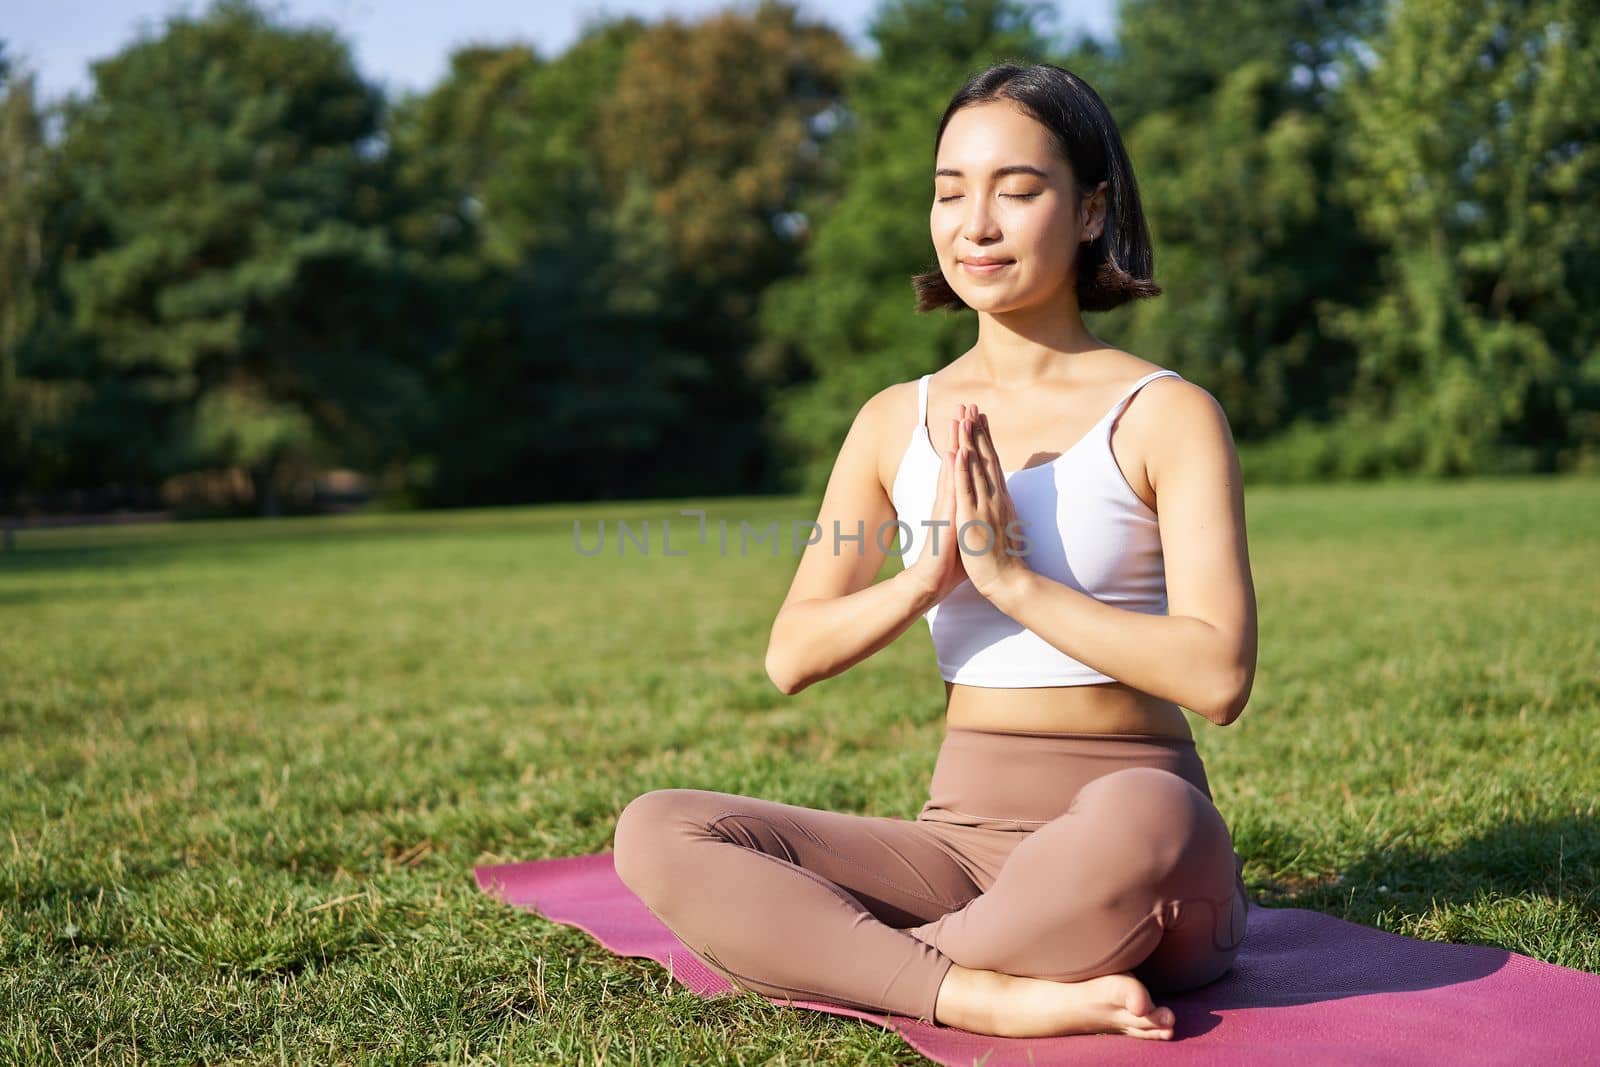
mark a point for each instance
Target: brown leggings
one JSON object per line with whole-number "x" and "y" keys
{"x": 1059, "y": 856}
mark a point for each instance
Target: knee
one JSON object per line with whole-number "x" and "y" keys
{"x": 642, "y": 832}
{"x": 1162, "y": 818}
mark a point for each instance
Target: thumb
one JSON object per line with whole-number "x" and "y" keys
{"x": 945, "y": 495}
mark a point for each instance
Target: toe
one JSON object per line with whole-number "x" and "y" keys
{"x": 1135, "y": 997}
{"x": 1158, "y": 1023}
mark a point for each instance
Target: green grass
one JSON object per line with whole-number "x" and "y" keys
{"x": 248, "y": 766}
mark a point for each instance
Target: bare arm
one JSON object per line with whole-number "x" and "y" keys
{"x": 1202, "y": 654}
{"x": 835, "y": 616}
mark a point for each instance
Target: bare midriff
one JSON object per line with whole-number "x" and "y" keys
{"x": 1106, "y": 708}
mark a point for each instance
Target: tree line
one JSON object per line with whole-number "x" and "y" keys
{"x": 675, "y": 258}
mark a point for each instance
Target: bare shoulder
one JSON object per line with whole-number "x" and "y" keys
{"x": 1178, "y": 420}
{"x": 1170, "y": 416}
{"x": 1178, "y": 397}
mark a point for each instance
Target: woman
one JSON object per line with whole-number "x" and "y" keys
{"x": 1069, "y": 859}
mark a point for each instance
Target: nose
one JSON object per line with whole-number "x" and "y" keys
{"x": 979, "y": 223}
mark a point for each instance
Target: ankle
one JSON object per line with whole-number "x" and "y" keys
{"x": 967, "y": 998}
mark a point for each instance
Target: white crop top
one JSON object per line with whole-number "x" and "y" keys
{"x": 1085, "y": 528}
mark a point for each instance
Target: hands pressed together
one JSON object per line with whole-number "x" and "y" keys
{"x": 981, "y": 541}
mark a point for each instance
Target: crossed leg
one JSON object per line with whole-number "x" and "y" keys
{"x": 1138, "y": 875}
{"x": 792, "y": 901}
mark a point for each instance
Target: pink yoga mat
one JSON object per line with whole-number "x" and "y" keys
{"x": 1306, "y": 988}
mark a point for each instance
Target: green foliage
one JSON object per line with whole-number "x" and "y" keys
{"x": 678, "y": 256}
{"x": 21, "y": 260}
{"x": 714, "y": 140}
{"x": 1227, "y": 113}
{"x": 1174, "y": 57}
{"x": 554, "y": 379}
{"x": 1249, "y": 235}
{"x": 42, "y": 367}
{"x": 612, "y": 214}
{"x": 1474, "y": 158}
{"x": 231, "y": 264}
{"x": 714, "y": 119}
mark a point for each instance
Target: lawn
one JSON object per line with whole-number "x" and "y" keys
{"x": 248, "y": 766}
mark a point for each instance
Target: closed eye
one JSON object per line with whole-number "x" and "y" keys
{"x": 1012, "y": 196}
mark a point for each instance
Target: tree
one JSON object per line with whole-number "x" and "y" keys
{"x": 33, "y": 405}
{"x": 712, "y": 138}
{"x": 1474, "y": 159}
{"x": 714, "y": 118}
{"x": 21, "y": 259}
{"x": 1174, "y": 56}
{"x": 555, "y": 382}
{"x": 232, "y": 266}
{"x": 1251, "y": 235}
{"x": 1227, "y": 111}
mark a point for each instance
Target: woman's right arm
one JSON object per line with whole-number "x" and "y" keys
{"x": 835, "y": 616}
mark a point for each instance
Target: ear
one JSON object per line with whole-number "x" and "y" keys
{"x": 1094, "y": 207}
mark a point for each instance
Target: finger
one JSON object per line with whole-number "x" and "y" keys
{"x": 977, "y": 492}
{"x": 963, "y": 475}
{"x": 990, "y": 455}
{"x": 991, "y": 458}
{"x": 982, "y": 486}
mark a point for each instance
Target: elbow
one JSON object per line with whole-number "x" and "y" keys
{"x": 785, "y": 684}
{"x": 788, "y": 680}
{"x": 1235, "y": 694}
{"x": 776, "y": 673}
{"x": 783, "y": 652}
{"x": 779, "y": 671}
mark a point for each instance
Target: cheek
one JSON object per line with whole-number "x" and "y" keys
{"x": 1045, "y": 229}
{"x": 1051, "y": 244}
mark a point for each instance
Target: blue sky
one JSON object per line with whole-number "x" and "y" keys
{"x": 401, "y": 43}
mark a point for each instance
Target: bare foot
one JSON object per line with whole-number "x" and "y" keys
{"x": 1006, "y": 1005}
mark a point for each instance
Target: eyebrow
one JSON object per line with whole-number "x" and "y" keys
{"x": 1000, "y": 172}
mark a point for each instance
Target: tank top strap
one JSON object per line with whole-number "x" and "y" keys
{"x": 1134, "y": 388}
{"x": 922, "y": 399}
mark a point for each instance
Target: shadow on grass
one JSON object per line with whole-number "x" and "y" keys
{"x": 1557, "y": 858}
{"x": 130, "y": 548}
{"x": 180, "y": 542}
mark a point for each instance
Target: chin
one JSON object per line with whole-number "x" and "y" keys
{"x": 993, "y": 303}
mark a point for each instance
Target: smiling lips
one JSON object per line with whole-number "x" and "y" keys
{"x": 985, "y": 265}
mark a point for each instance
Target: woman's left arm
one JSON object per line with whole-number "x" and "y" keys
{"x": 1201, "y": 655}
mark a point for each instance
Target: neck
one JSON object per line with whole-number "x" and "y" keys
{"x": 1020, "y": 347}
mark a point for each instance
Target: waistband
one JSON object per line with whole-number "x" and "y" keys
{"x": 1152, "y": 739}
{"x": 1015, "y": 780}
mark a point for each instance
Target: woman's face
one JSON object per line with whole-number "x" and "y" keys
{"x": 1024, "y": 217}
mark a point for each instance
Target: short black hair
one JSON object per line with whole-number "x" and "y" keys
{"x": 1116, "y": 267}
